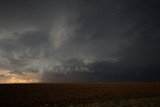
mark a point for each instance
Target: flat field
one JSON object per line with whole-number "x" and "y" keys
{"x": 80, "y": 95}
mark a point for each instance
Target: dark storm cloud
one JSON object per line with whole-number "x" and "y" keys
{"x": 92, "y": 40}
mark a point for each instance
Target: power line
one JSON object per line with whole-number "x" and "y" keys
{"x": 130, "y": 15}
{"x": 98, "y": 3}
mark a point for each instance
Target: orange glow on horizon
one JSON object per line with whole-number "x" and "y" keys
{"x": 18, "y": 78}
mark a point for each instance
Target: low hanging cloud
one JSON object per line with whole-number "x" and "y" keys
{"x": 80, "y": 40}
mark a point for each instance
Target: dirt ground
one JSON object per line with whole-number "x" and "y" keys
{"x": 80, "y": 95}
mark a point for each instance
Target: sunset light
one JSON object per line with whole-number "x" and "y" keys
{"x": 8, "y": 77}
{"x": 80, "y": 53}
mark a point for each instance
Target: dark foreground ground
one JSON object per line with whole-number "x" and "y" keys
{"x": 80, "y": 95}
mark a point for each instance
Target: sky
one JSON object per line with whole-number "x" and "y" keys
{"x": 50, "y": 41}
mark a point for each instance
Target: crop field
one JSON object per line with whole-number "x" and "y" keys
{"x": 80, "y": 95}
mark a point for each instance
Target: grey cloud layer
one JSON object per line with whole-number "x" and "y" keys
{"x": 80, "y": 40}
